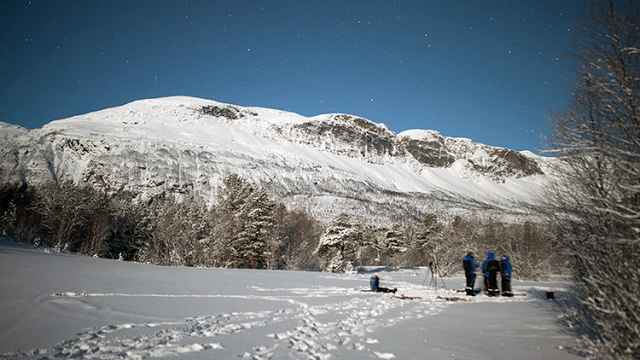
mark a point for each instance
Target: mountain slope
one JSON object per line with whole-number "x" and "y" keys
{"x": 327, "y": 164}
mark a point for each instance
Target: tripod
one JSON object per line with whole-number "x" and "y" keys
{"x": 435, "y": 274}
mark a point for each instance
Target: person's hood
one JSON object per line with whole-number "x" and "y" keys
{"x": 506, "y": 257}
{"x": 490, "y": 256}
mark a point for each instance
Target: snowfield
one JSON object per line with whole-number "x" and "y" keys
{"x": 57, "y": 305}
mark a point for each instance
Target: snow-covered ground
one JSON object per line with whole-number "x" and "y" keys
{"x": 61, "y": 305}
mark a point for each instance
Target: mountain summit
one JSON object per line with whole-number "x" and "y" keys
{"x": 327, "y": 164}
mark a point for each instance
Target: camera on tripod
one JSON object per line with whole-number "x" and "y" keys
{"x": 435, "y": 274}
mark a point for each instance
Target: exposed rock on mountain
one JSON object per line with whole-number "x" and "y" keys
{"x": 327, "y": 164}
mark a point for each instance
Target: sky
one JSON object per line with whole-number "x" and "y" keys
{"x": 486, "y": 70}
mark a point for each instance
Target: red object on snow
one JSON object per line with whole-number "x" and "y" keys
{"x": 550, "y": 295}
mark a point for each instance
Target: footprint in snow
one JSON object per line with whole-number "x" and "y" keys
{"x": 321, "y": 331}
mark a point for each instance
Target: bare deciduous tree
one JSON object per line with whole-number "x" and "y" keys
{"x": 299, "y": 234}
{"x": 596, "y": 204}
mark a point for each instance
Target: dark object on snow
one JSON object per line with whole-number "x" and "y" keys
{"x": 475, "y": 291}
{"x": 469, "y": 264}
{"x": 490, "y": 268}
{"x": 403, "y": 297}
{"x": 505, "y": 275}
{"x": 452, "y": 298}
{"x": 375, "y": 285}
{"x": 550, "y": 295}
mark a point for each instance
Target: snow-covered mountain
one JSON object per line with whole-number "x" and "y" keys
{"x": 326, "y": 164}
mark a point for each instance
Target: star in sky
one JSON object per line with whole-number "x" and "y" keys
{"x": 489, "y": 70}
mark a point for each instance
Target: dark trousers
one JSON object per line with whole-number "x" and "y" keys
{"x": 492, "y": 285}
{"x": 506, "y": 287}
{"x": 384, "y": 289}
{"x": 471, "y": 281}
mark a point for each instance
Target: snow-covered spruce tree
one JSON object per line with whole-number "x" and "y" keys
{"x": 395, "y": 242}
{"x": 231, "y": 199}
{"x": 256, "y": 218}
{"x": 234, "y": 193}
{"x": 338, "y": 245}
{"x": 596, "y": 204}
{"x": 274, "y": 238}
{"x": 245, "y": 216}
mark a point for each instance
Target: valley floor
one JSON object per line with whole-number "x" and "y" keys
{"x": 63, "y": 305}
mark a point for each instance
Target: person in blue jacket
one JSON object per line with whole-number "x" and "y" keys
{"x": 375, "y": 285}
{"x": 505, "y": 275}
{"x": 469, "y": 264}
{"x": 490, "y": 268}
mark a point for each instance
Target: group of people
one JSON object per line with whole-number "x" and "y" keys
{"x": 490, "y": 268}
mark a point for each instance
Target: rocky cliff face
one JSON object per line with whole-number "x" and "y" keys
{"x": 327, "y": 164}
{"x": 434, "y": 150}
{"x": 362, "y": 139}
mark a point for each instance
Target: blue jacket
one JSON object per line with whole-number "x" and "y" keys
{"x": 472, "y": 263}
{"x": 505, "y": 267}
{"x": 485, "y": 265}
{"x": 374, "y": 281}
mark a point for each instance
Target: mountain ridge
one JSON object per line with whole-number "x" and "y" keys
{"x": 327, "y": 164}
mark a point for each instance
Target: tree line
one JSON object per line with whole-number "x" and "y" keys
{"x": 441, "y": 242}
{"x": 245, "y": 228}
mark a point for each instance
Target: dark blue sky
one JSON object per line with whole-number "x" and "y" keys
{"x": 487, "y": 70}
